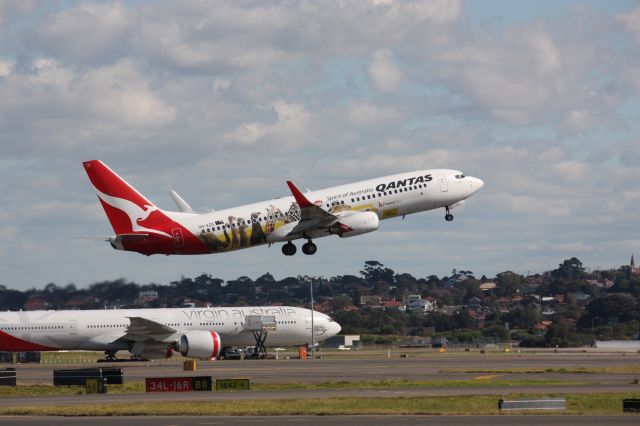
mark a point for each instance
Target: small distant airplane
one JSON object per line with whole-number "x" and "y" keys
{"x": 346, "y": 210}
{"x": 202, "y": 333}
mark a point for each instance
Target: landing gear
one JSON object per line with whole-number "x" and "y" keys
{"x": 260, "y": 351}
{"x": 309, "y": 248}
{"x": 448, "y": 217}
{"x": 109, "y": 356}
{"x": 289, "y": 249}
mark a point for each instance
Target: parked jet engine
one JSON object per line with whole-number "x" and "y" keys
{"x": 200, "y": 344}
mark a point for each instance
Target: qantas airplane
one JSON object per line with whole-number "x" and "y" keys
{"x": 156, "y": 333}
{"x": 346, "y": 211}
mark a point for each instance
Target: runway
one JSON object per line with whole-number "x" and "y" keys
{"x": 417, "y": 366}
{"x": 359, "y": 368}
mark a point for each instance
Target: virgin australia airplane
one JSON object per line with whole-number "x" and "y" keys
{"x": 346, "y": 210}
{"x": 155, "y": 333}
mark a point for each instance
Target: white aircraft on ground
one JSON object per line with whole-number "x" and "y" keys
{"x": 155, "y": 333}
{"x": 345, "y": 210}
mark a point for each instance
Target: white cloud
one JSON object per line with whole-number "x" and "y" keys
{"x": 290, "y": 123}
{"x": 6, "y": 68}
{"x": 240, "y": 96}
{"x": 383, "y": 71}
{"x": 87, "y": 31}
{"x": 120, "y": 93}
{"x": 631, "y": 22}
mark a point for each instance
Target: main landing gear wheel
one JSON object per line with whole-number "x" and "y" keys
{"x": 309, "y": 248}
{"x": 448, "y": 217}
{"x": 289, "y": 249}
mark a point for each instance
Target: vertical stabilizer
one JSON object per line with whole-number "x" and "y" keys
{"x": 128, "y": 211}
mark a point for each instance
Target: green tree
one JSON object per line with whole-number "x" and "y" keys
{"x": 375, "y": 271}
{"x": 612, "y": 308}
{"x": 508, "y": 283}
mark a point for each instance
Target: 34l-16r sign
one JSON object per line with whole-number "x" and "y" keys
{"x": 178, "y": 384}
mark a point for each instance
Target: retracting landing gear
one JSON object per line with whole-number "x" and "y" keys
{"x": 289, "y": 249}
{"x": 448, "y": 217}
{"x": 309, "y": 248}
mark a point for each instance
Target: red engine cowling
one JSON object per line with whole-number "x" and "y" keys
{"x": 198, "y": 344}
{"x": 356, "y": 224}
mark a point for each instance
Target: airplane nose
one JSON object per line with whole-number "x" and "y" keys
{"x": 477, "y": 184}
{"x": 335, "y": 328}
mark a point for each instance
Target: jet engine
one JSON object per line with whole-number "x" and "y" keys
{"x": 198, "y": 344}
{"x": 356, "y": 224}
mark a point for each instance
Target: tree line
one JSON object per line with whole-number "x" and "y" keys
{"x": 583, "y": 307}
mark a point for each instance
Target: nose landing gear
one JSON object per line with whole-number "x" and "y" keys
{"x": 448, "y": 217}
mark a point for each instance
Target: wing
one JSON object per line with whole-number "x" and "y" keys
{"x": 144, "y": 330}
{"x": 311, "y": 216}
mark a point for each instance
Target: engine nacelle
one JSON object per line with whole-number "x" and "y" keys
{"x": 356, "y": 224}
{"x": 198, "y": 344}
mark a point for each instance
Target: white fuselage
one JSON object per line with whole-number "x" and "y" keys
{"x": 388, "y": 197}
{"x": 103, "y": 330}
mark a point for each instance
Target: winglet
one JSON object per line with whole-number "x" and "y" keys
{"x": 300, "y": 198}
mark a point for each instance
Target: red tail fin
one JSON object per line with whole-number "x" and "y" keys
{"x": 125, "y": 207}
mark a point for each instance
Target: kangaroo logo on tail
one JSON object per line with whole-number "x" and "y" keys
{"x": 128, "y": 210}
{"x": 136, "y": 214}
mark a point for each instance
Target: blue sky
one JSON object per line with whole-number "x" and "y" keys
{"x": 225, "y": 101}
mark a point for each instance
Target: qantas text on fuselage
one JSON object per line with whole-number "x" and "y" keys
{"x": 346, "y": 210}
{"x": 156, "y": 333}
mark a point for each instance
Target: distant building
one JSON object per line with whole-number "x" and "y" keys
{"x": 36, "y": 303}
{"x": 618, "y": 345}
{"x": 148, "y": 296}
{"x": 370, "y": 300}
{"x": 604, "y": 284}
{"x": 346, "y": 340}
{"x": 634, "y": 269}
{"x": 392, "y": 304}
{"x": 581, "y": 298}
{"x": 408, "y": 298}
{"x": 423, "y": 305}
{"x": 489, "y": 286}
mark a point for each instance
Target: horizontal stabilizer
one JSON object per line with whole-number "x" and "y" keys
{"x": 92, "y": 237}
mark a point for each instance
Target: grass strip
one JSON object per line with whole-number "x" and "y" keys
{"x": 623, "y": 369}
{"x": 586, "y": 404}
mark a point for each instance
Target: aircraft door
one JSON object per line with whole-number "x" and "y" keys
{"x": 442, "y": 180}
{"x": 73, "y": 327}
{"x": 178, "y": 239}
